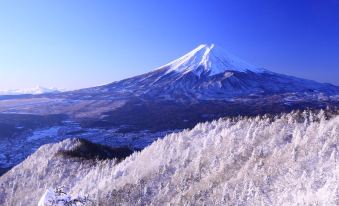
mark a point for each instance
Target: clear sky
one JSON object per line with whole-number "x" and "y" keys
{"x": 73, "y": 44}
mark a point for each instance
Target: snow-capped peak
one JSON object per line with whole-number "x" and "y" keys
{"x": 211, "y": 59}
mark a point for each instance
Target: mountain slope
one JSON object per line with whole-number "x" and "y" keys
{"x": 285, "y": 160}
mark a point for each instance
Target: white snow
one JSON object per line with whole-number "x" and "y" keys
{"x": 57, "y": 197}
{"x": 213, "y": 59}
{"x": 51, "y": 198}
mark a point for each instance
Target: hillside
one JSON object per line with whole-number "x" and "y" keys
{"x": 283, "y": 160}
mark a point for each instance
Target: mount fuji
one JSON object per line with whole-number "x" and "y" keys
{"x": 206, "y": 73}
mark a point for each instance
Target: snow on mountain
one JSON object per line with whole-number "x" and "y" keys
{"x": 35, "y": 90}
{"x": 210, "y": 59}
{"x": 285, "y": 160}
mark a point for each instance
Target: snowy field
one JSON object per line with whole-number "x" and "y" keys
{"x": 286, "y": 160}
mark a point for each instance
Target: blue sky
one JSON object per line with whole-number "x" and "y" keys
{"x": 73, "y": 44}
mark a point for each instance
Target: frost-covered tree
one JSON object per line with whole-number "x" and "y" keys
{"x": 58, "y": 197}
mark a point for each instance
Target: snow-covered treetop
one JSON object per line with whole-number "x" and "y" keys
{"x": 212, "y": 59}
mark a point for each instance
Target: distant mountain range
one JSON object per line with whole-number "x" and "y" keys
{"x": 35, "y": 90}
